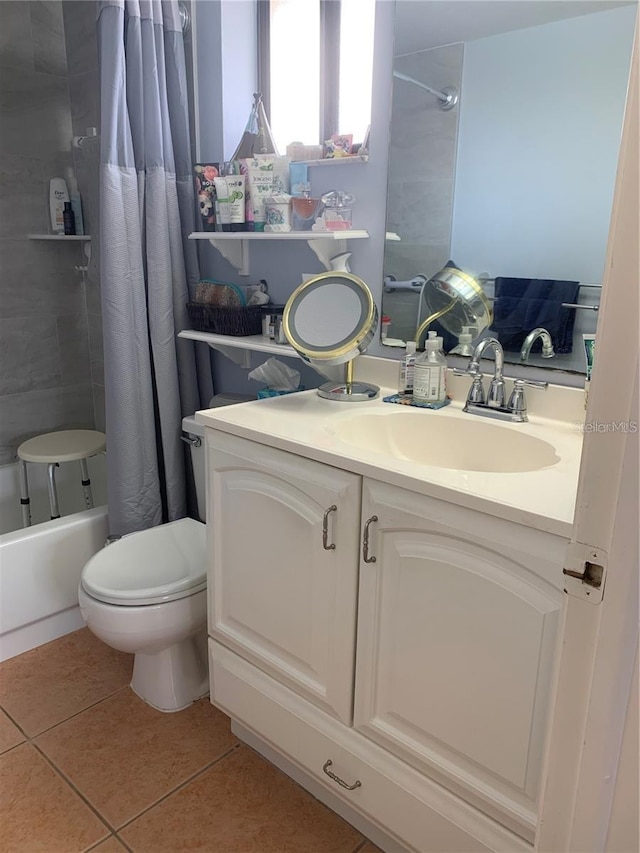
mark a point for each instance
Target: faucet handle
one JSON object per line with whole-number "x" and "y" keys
{"x": 533, "y": 383}
{"x": 517, "y": 402}
{"x": 476, "y": 391}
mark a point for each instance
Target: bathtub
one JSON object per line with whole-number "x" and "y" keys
{"x": 40, "y": 566}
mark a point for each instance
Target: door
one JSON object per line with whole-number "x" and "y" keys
{"x": 457, "y": 628}
{"x": 600, "y": 638}
{"x": 283, "y": 562}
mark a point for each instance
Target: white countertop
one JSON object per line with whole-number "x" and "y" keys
{"x": 303, "y": 423}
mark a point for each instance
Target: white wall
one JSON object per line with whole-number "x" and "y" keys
{"x": 540, "y": 121}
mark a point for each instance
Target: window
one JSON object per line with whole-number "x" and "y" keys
{"x": 315, "y": 68}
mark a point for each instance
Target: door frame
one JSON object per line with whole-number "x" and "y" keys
{"x": 599, "y": 640}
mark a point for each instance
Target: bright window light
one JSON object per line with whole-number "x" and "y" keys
{"x": 295, "y": 71}
{"x": 357, "y": 18}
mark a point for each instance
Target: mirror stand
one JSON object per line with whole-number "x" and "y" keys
{"x": 349, "y": 391}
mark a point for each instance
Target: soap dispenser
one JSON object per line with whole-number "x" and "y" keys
{"x": 430, "y": 373}
{"x": 464, "y": 345}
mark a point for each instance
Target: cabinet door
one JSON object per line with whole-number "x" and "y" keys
{"x": 456, "y": 643}
{"x": 283, "y": 563}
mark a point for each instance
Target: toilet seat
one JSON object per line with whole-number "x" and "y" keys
{"x": 162, "y": 564}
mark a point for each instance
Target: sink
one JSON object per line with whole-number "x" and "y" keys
{"x": 443, "y": 441}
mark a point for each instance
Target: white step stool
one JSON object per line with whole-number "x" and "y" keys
{"x": 52, "y": 448}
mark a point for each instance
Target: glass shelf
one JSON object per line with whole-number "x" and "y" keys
{"x": 60, "y": 237}
{"x": 234, "y": 245}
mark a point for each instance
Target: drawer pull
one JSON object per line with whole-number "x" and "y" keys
{"x": 365, "y": 540}
{"x": 325, "y": 529}
{"x": 356, "y": 784}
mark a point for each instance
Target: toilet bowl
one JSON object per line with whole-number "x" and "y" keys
{"x": 146, "y": 594}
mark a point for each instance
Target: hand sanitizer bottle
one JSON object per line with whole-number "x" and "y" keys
{"x": 429, "y": 373}
{"x": 405, "y": 379}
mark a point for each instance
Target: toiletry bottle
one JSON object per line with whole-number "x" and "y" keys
{"x": 405, "y": 380}
{"x": 429, "y": 373}
{"x": 58, "y": 194}
{"x": 76, "y": 202}
{"x": 68, "y": 219}
{"x": 464, "y": 345}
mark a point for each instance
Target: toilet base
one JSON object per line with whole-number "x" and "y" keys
{"x": 174, "y": 678}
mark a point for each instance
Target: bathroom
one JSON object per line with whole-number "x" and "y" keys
{"x": 219, "y": 129}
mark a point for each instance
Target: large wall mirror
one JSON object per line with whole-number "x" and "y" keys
{"x": 512, "y": 181}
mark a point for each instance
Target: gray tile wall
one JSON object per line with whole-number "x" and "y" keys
{"x": 45, "y": 364}
{"x": 421, "y": 177}
{"x": 84, "y": 96}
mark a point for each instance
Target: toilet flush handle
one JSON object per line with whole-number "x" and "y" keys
{"x": 192, "y": 440}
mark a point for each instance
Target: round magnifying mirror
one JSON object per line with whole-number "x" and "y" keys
{"x": 329, "y": 320}
{"x": 455, "y": 299}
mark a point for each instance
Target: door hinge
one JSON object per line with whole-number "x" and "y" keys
{"x": 585, "y": 571}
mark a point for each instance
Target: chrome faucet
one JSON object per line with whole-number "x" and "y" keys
{"x": 532, "y": 337}
{"x": 494, "y": 406}
{"x": 496, "y": 389}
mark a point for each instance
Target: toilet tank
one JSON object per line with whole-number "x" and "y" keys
{"x": 195, "y": 431}
{"x": 195, "y": 436}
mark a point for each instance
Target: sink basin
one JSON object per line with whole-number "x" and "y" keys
{"x": 429, "y": 438}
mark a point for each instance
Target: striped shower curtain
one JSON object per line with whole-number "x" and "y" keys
{"x": 147, "y": 264}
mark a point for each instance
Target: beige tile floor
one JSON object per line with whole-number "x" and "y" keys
{"x": 86, "y": 765}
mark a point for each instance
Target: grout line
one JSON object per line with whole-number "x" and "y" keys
{"x": 15, "y": 723}
{"x": 77, "y": 713}
{"x": 123, "y": 842}
{"x": 181, "y": 786}
{"x": 74, "y": 788}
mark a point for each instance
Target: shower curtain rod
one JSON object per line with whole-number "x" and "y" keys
{"x": 448, "y": 97}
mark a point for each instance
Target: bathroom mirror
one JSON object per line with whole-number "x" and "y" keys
{"x": 329, "y": 320}
{"x": 514, "y": 181}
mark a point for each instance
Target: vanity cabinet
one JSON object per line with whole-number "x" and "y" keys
{"x": 457, "y": 624}
{"x": 416, "y": 656}
{"x": 283, "y": 570}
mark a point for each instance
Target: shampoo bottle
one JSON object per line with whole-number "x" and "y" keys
{"x": 405, "y": 380}
{"x": 430, "y": 372}
{"x": 58, "y": 194}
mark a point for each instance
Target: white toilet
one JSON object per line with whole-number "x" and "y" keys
{"x": 147, "y": 594}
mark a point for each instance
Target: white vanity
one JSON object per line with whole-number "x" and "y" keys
{"x": 383, "y": 622}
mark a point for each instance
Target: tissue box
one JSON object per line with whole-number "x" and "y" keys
{"x": 271, "y": 392}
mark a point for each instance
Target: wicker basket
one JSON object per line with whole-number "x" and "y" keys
{"x": 225, "y": 321}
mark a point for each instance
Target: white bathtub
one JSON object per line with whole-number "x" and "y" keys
{"x": 40, "y": 566}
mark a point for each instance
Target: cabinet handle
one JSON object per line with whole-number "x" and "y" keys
{"x": 325, "y": 529}
{"x": 325, "y": 767}
{"x": 365, "y": 540}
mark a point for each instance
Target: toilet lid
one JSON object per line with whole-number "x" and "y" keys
{"x": 149, "y": 567}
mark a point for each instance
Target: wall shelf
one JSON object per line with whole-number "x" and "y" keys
{"x": 60, "y": 238}
{"x": 84, "y": 239}
{"x": 234, "y": 245}
{"x": 239, "y": 349}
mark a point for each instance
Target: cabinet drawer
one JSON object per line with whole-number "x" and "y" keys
{"x": 419, "y": 813}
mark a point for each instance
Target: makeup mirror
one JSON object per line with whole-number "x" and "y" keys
{"x": 329, "y": 320}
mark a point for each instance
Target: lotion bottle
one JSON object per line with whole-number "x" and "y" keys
{"x": 430, "y": 372}
{"x": 405, "y": 380}
{"x": 58, "y": 195}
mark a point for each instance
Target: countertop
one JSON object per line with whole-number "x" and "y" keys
{"x": 303, "y": 423}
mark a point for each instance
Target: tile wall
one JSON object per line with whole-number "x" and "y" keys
{"x": 45, "y": 365}
{"x": 84, "y": 99}
{"x": 421, "y": 176}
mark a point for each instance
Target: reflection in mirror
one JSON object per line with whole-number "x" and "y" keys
{"x": 513, "y": 184}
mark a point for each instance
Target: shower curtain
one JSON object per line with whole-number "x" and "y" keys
{"x": 147, "y": 264}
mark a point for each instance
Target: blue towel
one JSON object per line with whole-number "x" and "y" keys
{"x": 523, "y": 304}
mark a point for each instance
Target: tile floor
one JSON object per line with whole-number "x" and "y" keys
{"x": 86, "y": 765}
